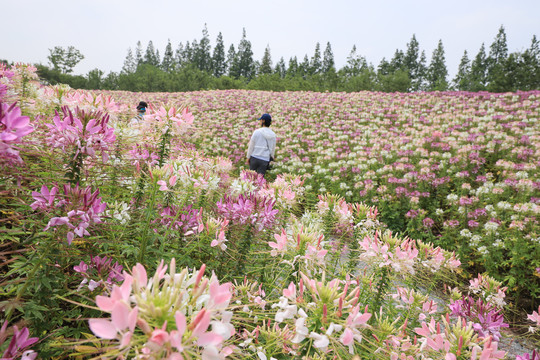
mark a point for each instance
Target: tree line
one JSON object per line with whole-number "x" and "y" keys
{"x": 196, "y": 65}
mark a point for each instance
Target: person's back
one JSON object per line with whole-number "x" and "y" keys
{"x": 262, "y": 146}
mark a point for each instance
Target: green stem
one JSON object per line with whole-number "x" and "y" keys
{"x": 144, "y": 239}
{"x": 382, "y": 287}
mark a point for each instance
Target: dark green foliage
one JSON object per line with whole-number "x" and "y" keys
{"x": 437, "y": 72}
{"x": 328, "y": 59}
{"x": 219, "y": 65}
{"x": 462, "y": 80}
{"x": 168, "y": 62}
{"x": 194, "y": 66}
{"x": 266, "y": 62}
{"x": 478, "y": 76}
{"x": 64, "y": 60}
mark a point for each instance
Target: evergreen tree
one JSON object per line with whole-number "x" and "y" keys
{"x": 422, "y": 72}
{"x": 478, "y": 78}
{"x": 219, "y": 65}
{"x": 355, "y": 64}
{"x": 281, "y": 68}
{"x": 498, "y": 54}
{"x": 158, "y": 61}
{"x": 201, "y": 53}
{"x": 328, "y": 59}
{"x": 138, "y": 54}
{"x": 437, "y": 71}
{"x": 167, "y": 64}
{"x": 179, "y": 56}
{"x": 531, "y": 59}
{"x": 303, "y": 67}
{"x": 462, "y": 80}
{"x": 193, "y": 53}
{"x": 411, "y": 61}
{"x": 316, "y": 64}
{"x": 150, "y": 57}
{"x": 232, "y": 62}
{"x": 246, "y": 66}
{"x": 292, "y": 69}
{"x": 384, "y": 67}
{"x": 188, "y": 54}
{"x": 266, "y": 62}
{"x": 130, "y": 66}
{"x": 398, "y": 62}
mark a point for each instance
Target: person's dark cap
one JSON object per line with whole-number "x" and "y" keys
{"x": 265, "y": 117}
{"x": 141, "y": 105}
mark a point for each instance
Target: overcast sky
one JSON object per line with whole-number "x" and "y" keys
{"x": 103, "y": 30}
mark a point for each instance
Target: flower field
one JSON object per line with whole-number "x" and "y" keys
{"x": 393, "y": 226}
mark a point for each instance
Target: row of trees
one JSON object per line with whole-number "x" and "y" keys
{"x": 196, "y": 65}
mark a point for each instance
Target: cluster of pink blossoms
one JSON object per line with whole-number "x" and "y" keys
{"x": 101, "y": 269}
{"x": 19, "y": 344}
{"x": 248, "y": 209}
{"x": 83, "y": 132}
{"x": 81, "y": 207}
{"x": 168, "y": 316}
{"x": 13, "y": 126}
{"x": 486, "y": 318}
{"x": 143, "y": 154}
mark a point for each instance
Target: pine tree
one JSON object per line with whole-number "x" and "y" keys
{"x": 266, "y": 62}
{"x": 188, "y": 54}
{"x": 193, "y": 54}
{"x": 158, "y": 61}
{"x": 328, "y": 59}
{"x": 130, "y": 66}
{"x": 201, "y": 54}
{"x": 422, "y": 72}
{"x": 462, "y": 79}
{"x": 498, "y": 54}
{"x": 412, "y": 63}
{"x": 150, "y": 57}
{"x": 179, "y": 55}
{"x": 316, "y": 64}
{"x": 232, "y": 61}
{"x": 437, "y": 71}
{"x": 281, "y": 68}
{"x": 246, "y": 66}
{"x": 532, "y": 61}
{"x": 167, "y": 64}
{"x": 479, "y": 71}
{"x": 398, "y": 61}
{"x": 219, "y": 65}
{"x": 303, "y": 67}
{"x": 138, "y": 54}
{"x": 355, "y": 64}
{"x": 384, "y": 67}
{"x": 292, "y": 69}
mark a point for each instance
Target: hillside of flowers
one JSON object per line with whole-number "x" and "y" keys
{"x": 456, "y": 169}
{"x": 393, "y": 226}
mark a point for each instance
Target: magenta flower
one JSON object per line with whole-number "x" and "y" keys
{"x": 13, "y": 126}
{"x": 472, "y": 224}
{"x": 487, "y": 320}
{"x": 84, "y": 133}
{"x": 19, "y": 344}
{"x": 81, "y": 208}
{"x": 428, "y": 223}
{"x": 535, "y": 355}
{"x": 44, "y": 199}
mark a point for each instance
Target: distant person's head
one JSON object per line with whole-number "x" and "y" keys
{"x": 266, "y": 120}
{"x": 142, "y": 107}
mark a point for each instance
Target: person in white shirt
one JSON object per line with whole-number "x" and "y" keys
{"x": 262, "y": 146}
{"x": 141, "y": 109}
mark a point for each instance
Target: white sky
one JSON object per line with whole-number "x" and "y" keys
{"x": 103, "y": 30}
